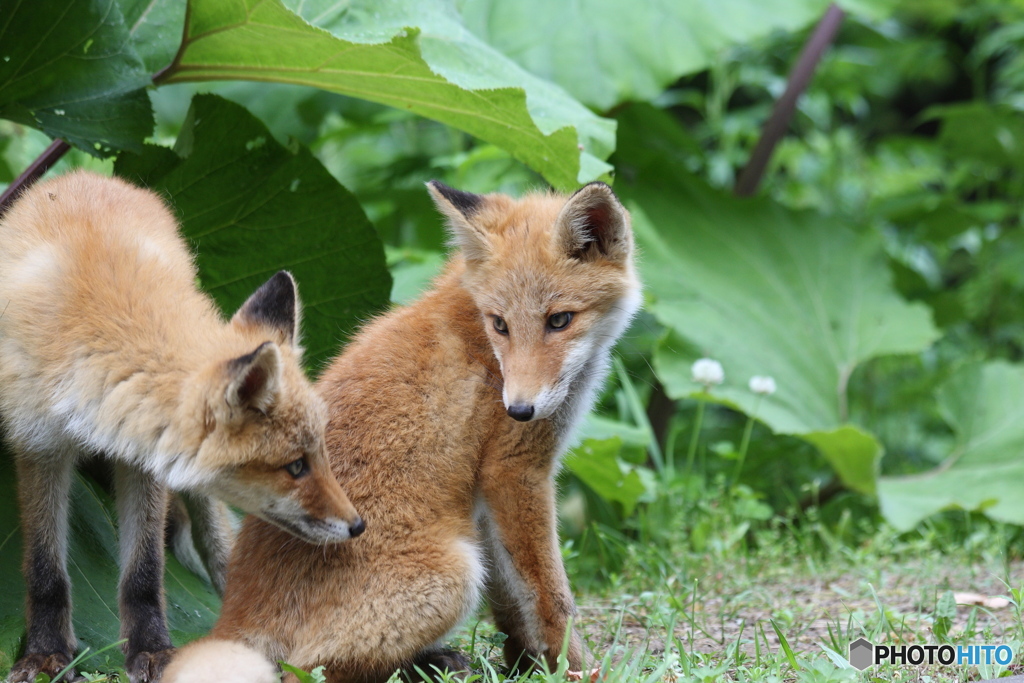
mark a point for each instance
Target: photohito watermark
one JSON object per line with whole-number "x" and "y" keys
{"x": 864, "y": 653}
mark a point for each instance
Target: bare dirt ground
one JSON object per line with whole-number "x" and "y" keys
{"x": 736, "y": 606}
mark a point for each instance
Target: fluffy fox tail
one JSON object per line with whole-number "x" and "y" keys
{"x": 220, "y": 661}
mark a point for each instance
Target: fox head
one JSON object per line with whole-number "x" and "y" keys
{"x": 554, "y": 281}
{"x": 263, "y": 447}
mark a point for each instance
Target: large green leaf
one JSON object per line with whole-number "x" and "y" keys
{"x": 766, "y": 291}
{"x": 605, "y": 52}
{"x": 984, "y": 404}
{"x": 192, "y": 606}
{"x": 252, "y": 207}
{"x": 70, "y": 69}
{"x": 410, "y": 54}
{"x": 598, "y": 464}
{"x": 154, "y": 27}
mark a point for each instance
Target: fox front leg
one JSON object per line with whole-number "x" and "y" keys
{"x": 527, "y": 587}
{"x": 44, "y": 486}
{"x": 141, "y": 512}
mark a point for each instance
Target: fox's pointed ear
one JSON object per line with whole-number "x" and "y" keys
{"x": 459, "y": 208}
{"x": 593, "y": 223}
{"x": 254, "y": 379}
{"x": 273, "y": 307}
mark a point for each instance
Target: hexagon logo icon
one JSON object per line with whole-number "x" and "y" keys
{"x": 862, "y": 654}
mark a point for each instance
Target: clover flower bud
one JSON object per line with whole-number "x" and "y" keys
{"x": 762, "y": 385}
{"x": 707, "y": 372}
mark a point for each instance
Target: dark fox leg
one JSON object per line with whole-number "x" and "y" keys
{"x": 434, "y": 662}
{"x": 141, "y": 511}
{"x": 44, "y": 485}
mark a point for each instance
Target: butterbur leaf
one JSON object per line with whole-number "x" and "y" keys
{"x": 71, "y": 71}
{"x": 605, "y": 52}
{"x": 766, "y": 291}
{"x": 154, "y": 29}
{"x": 253, "y": 207}
{"x": 410, "y": 54}
{"x": 983, "y": 403}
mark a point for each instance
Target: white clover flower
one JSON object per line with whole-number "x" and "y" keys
{"x": 762, "y": 385}
{"x": 707, "y": 372}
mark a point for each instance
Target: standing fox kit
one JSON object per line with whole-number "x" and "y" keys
{"x": 107, "y": 347}
{"x": 447, "y": 420}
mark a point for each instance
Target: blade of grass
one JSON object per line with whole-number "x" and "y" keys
{"x": 639, "y": 413}
{"x": 785, "y": 645}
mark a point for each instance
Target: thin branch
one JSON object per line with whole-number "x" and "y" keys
{"x": 160, "y": 76}
{"x": 660, "y": 406}
{"x": 43, "y": 163}
{"x": 782, "y": 114}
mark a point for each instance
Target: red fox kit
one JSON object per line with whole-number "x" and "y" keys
{"x": 107, "y": 346}
{"x": 447, "y": 421}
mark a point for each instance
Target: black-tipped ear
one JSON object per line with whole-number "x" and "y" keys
{"x": 255, "y": 378}
{"x": 466, "y": 202}
{"x": 274, "y": 306}
{"x": 459, "y": 208}
{"x": 593, "y": 223}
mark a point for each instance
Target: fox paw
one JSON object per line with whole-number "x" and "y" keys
{"x": 432, "y": 661}
{"x": 28, "y": 667}
{"x": 148, "y": 667}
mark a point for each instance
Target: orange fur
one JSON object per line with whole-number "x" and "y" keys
{"x": 459, "y": 498}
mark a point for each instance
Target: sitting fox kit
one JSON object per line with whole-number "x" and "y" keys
{"x": 447, "y": 420}
{"x": 107, "y": 347}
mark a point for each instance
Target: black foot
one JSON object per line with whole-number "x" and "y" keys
{"x": 148, "y": 667}
{"x": 28, "y": 667}
{"x": 432, "y": 661}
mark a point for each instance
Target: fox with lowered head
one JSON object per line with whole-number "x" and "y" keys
{"x": 107, "y": 347}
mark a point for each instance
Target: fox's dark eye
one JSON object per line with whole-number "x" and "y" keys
{"x": 559, "y": 321}
{"x": 500, "y": 325}
{"x": 297, "y": 468}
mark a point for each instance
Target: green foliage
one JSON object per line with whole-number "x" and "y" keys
{"x": 85, "y": 78}
{"x": 314, "y": 676}
{"x": 74, "y": 71}
{"x": 155, "y": 29}
{"x": 599, "y": 465}
{"x": 766, "y": 291}
{"x": 410, "y": 55}
{"x": 606, "y": 52}
{"x": 252, "y": 207}
{"x": 945, "y": 612}
{"x": 983, "y": 403}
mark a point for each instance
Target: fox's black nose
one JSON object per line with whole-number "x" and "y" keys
{"x": 520, "y": 411}
{"x": 357, "y": 528}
